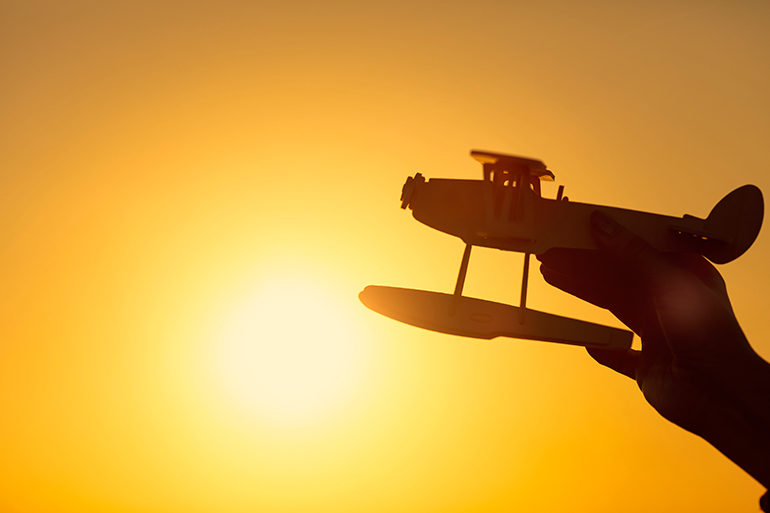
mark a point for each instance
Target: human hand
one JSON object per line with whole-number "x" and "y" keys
{"x": 696, "y": 367}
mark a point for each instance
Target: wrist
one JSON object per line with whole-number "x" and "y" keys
{"x": 737, "y": 421}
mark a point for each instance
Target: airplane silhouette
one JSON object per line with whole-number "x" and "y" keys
{"x": 505, "y": 210}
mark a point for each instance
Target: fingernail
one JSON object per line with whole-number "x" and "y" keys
{"x": 604, "y": 223}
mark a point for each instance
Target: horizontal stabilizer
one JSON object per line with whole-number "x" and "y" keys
{"x": 478, "y": 318}
{"x": 699, "y": 233}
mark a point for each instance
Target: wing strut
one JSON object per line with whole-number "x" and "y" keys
{"x": 460, "y": 280}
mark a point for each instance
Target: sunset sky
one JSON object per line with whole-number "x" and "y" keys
{"x": 192, "y": 194}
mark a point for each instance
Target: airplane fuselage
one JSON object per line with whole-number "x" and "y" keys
{"x": 517, "y": 218}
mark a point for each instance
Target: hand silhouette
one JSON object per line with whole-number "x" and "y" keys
{"x": 696, "y": 367}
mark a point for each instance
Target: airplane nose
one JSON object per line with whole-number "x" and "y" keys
{"x": 408, "y": 189}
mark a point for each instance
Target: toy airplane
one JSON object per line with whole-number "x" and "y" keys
{"x": 505, "y": 210}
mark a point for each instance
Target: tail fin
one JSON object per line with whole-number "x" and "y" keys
{"x": 739, "y": 216}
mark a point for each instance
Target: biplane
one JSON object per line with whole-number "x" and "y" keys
{"x": 506, "y": 210}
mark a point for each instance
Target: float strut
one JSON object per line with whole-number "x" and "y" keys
{"x": 524, "y": 280}
{"x": 460, "y": 280}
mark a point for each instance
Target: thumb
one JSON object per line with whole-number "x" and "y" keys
{"x": 688, "y": 311}
{"x": 624, "y": 362}
{"x": 631, "y": 252}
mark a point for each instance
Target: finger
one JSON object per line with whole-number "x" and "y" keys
{"x": 587, "y": 274}
{"x": 599, "y": 283}
{"x": 579, "y": 285}
{"x": 631, "y": 252}
{"x": 575, "y": 261}
{"x": 624, "y": 362}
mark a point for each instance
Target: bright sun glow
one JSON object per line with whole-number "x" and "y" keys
{"x": 288, "y": 353}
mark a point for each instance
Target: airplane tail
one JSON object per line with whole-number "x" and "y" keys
{"x": 739, "y": 215}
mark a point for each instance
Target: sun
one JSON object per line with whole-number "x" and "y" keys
{"x": 287, "y": 352}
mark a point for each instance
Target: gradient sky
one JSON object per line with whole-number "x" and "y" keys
{"x": 193, "y": 193}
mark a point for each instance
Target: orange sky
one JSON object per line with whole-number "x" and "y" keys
{"x": 193, "y": 193}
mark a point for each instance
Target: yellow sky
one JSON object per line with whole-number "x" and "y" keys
{"x": 193, "y": 193}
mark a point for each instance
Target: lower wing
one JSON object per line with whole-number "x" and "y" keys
{"x": 477, "y": 318}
